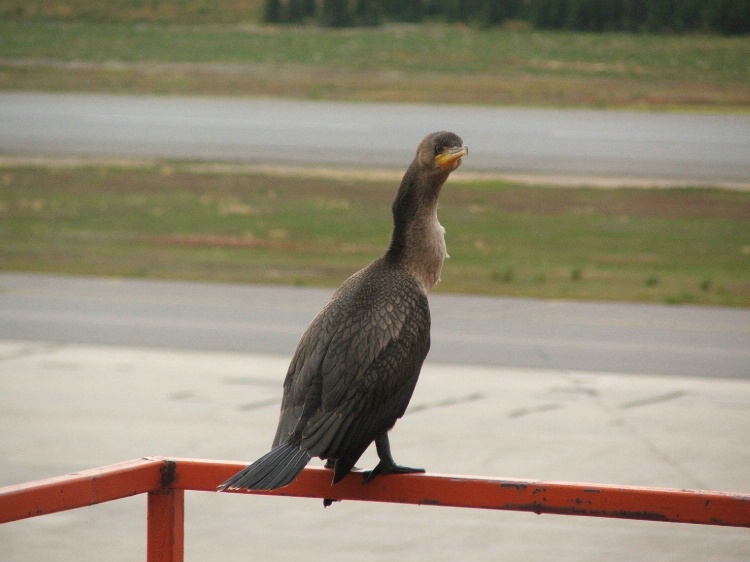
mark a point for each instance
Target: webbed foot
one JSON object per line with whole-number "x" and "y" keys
{"x": 387, "y": 465}
{"x": 389, "y": 468}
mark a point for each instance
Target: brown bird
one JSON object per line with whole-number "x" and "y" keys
{"x": 356, "y": 366}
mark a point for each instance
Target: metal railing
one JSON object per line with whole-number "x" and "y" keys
{"x": 166, "y": 479}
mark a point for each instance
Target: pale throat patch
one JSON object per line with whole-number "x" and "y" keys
{"x": 427, "y": 251}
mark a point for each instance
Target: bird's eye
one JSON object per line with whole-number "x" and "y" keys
{"x": 439, "y": 149}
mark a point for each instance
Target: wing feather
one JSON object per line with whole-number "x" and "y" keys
{"x": 364, "y": 353}
{"x": 356, "y": 366}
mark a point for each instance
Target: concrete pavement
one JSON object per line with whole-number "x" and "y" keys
{"x": 67, "y": 407}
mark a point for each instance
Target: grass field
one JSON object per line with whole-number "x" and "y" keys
{"x": 167, "y": 221}
{"x": 428, "y": 63}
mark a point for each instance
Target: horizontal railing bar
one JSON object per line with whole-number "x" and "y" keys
{"x": 81, "y": 489}
{"x": 594, "y": 500}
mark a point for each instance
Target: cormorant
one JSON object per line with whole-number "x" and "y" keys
{"x": 356, "y": 366}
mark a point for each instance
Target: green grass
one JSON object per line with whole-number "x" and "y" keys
{"x": 427, "y": 63}
{"x": 676, "y": 246}
{"x": 427, "y": 48}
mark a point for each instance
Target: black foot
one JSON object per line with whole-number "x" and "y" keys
{"x": 327, "y": 502}
{"x": 389, "y": 468}
{"x": 387, "y": 465}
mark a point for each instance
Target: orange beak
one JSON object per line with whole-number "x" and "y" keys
{"x": 450, "y": 158}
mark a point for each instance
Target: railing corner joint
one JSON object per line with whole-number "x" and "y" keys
{"x": 168, "y": 473}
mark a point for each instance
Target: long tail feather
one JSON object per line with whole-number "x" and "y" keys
{"x": 273, "y": 470}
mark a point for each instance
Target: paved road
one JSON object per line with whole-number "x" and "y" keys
{"x": 503, "y": 332}
{"x": 682, "y": 147}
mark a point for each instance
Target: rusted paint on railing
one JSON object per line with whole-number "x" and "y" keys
{"x": 563, "y": 498}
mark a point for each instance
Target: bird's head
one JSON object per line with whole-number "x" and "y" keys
{"x": 441, "y": 152}
{"x": 437, "y": 156}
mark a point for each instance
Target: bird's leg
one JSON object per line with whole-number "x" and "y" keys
{"x": 331, "y": 465}
{"x": 387, "y": 465}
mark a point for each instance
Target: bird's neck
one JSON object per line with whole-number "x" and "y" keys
{"x": 418, "y": 240}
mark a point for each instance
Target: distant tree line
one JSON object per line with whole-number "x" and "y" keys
{"x": 715, "y": 16}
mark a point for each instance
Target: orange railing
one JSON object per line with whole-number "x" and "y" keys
{"x": 166, "y": 479}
